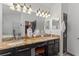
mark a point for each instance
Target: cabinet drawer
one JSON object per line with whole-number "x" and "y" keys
{"x": 24, "y": 53}
{"x": 22, "y": 48}
{"x": 5, "y": 52}
{"x": 51, "y": 42}
{"x": 40, "y": 44}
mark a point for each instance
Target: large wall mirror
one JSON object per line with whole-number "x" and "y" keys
{"x": 13, "y": 21}
{"x": 10, "y": 21}
{"x": 52, "y": 25}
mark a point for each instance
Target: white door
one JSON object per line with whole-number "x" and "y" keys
{"x": 73, "y": 29}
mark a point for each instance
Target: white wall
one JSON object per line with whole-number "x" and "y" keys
{"x": 65, "y": 7}
{"x": 0, "y": 22}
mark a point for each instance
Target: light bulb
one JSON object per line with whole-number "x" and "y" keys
{"x": 38, "y": 11}
{"x": 46, "y": 16}
{"x": 37, "y": 14}
{"x": 40, "y": 15}
{"x": 43, "y": 15}
{"x": 29, "y": 12}
{"x": 24, "y": 10}
{"x": 30, "y": 9}
{"x": 18, "y": 7}
{"x": 12, "y": 8}
{"x": 42, "y": 12}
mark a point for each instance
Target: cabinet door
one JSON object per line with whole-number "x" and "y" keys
{"x": 53, "y": 47}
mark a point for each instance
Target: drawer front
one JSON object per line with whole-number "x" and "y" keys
{"x": 24, "y": 53}
{"x": 39, "y": 44}
{"x": 22, "y": 48}
{"x": 51, "y": 42}
{"x": 5, "y": 52}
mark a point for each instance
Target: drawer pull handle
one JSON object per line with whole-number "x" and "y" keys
{"x": 23, "y": 49}
{"x": 41, "y": 44}
{"x": 5, "y": 54}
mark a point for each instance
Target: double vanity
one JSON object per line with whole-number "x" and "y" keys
{"x": 25, "y": 45}
{"x": 44, "y": 39}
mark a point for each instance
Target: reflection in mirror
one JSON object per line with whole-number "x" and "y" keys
{"x": 33, "y": 24}
{"x": 55, "y": 24}
{"x": 52, "y": 25}
{"x": 13, "y": 23}
{"x": 47, "y": 24}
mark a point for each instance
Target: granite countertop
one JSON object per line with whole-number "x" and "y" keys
{"x": 27, "y": 41}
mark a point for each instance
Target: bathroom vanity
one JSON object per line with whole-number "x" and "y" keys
{"x": 23, "y": 46}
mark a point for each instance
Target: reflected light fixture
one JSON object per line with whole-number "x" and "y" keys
{"x": 24, "y": 8}
{"x": 38, "y": 12}
{"x": 12, "y": 7}
{"x": 42, "y": 13}
{"x": 29, "y": 12}
{"x": 30, "y": 9}
{"x": 18, "y": 7}
{"x": 21, "y": 7}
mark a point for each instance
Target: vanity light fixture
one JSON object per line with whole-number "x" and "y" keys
{"x": 13, "y": 6}
{"x": 29, "y": 12}
{"x": 42, "y": 13}
{"x": 18, "y": 7}
{"x": 38, "y": 12}
{"x": 21, "y": 7}
{"x": 29, "y": 8}
{"x": 24, "y": 8}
